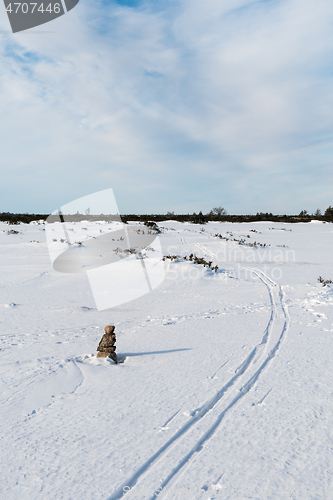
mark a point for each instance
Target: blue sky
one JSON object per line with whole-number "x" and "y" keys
{"x": 178, "y": 106}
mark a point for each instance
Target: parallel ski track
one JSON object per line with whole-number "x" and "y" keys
{"x": 183, "y": 240}
{"x": 246, "y": 369}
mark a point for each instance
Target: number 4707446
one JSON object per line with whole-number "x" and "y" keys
{"x": 26, "y": 8}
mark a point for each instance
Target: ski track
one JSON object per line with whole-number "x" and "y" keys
{"x": 164, "y": 426}
{"x": 183, "y": 240}
{"x": 245, "y": 376}
{"x": 212, "y": 376}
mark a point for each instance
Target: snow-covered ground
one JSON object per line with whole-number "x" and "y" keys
{"x": 226, "y": 391}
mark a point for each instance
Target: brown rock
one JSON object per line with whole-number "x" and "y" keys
{"x": 102, "y": 355}
{"x": 111, "y": 355}
{"x": 109, "y": 329}
{"x": 106, "y": 349}
{"x": 106, "y": 341}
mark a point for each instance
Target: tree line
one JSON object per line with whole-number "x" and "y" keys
{"x": 216, "y": 214}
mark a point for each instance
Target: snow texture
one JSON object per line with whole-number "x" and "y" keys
{"x": 226, "y": 387}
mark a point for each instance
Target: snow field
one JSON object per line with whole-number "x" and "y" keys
{"x": 225, "y": 391}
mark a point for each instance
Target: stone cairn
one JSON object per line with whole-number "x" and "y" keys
{"x": 106, "y": 347}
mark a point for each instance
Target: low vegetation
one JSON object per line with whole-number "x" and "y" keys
{"x": 193, "y": 258}
{"x": 242, "y": 241}
{"x": 153, "y": 226}
{"x": 324, "y": 282}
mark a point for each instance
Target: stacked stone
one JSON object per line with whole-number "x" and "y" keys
{"x": 106, "y": 347}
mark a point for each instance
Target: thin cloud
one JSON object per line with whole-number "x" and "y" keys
{"x": 181, "y": 104}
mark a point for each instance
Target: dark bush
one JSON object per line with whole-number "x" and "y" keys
{"x": 324, "y": 282}
{"x": 152, "y": 225}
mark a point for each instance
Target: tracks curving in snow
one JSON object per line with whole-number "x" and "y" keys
{"x": 174, "y": 457}
{"x": 183, "y": 240}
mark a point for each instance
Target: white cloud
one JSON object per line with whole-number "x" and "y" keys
{"x": 183, "y": 107}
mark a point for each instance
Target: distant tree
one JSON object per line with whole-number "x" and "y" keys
{"x": 198, "y": 218}
{"x": 263, "y": 216}
{"x": 329, "y": 213}
{"x": 303, "y": 213}
{"x": 201, "y": 218}
{"x": 317, "y": 213}
{"x": 170, "y": 215}
{"x": 219, "y": 211}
